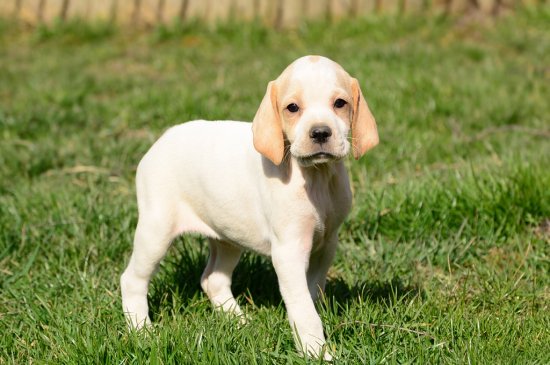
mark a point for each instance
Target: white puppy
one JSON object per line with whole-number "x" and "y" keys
{"x": 277, "y": 187}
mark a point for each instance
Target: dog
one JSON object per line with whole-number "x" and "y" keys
{"x": 277, "y": 187}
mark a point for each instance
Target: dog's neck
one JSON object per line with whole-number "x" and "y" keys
{"x": 318, "y": 174}
{"x": 291, "y": 171}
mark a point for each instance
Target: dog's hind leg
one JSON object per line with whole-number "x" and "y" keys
{"x": 210, "y": 265}
{"x": 216, "y": 279}
{"x": 152, "y": 239}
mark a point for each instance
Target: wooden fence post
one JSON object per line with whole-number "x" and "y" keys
{"x": 17, "y": 8}
{"x": 474, "y": 4}
{"x": 160, "y": 11}
{"x": 448, "y": 6}
{"x": 353, "y": 10}
{"x": 305, "y": 7}
{"x": 113, "y": 11}
{"x": 183, "y": 10}
{"x": 256, "y": 10}
{"x": 402, "y": 6}
{"x": 64, "y": 10}
{"x": 279, "y": 15}
{"x": 40, "y": 11}
{"x": 378, "y": 6}
{"x": 136, "y": 11}
{"x": 427, "y": 5}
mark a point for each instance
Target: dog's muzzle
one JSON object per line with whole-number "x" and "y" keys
{"x": 317, "y": 158}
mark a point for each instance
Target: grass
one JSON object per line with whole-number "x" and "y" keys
{"x": 444, "y": 258}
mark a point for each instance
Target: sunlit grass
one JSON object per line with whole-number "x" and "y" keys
{"x": 444, "y": 258}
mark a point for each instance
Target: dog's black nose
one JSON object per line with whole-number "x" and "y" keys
{"x": 320, "y": 134}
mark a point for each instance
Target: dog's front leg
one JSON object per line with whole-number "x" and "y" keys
{"x": 290, "y": 260}
{"x": 319, "y": 263}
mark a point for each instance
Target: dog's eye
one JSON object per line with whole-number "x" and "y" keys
{"x": 340, "y": 103}
{"x": 293, "y": 108}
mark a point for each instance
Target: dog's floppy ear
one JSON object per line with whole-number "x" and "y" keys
{"x": 267, "y": 127}
{"x": 364, "y": 133}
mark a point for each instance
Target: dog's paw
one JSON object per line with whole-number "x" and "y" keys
{"x": 328, "y": 357}
{"x": 239, "y": 317}
{"x": 244, "y": 319}
{"x": 317, "y": 351}
{"x": 137, "y": 323}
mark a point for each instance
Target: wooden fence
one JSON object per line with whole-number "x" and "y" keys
{"x": 279, "y": 13}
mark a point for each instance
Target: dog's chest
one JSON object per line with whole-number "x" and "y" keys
{"x": 330, "y": 200}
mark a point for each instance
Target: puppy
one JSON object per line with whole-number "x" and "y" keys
{"x": 277, "y": 187}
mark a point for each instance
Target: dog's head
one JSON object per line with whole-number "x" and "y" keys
{"x": 313, "y": 106}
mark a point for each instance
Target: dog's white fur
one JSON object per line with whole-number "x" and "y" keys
{"x": 272, "y": 188}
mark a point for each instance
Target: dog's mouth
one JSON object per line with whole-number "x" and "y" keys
{"x": 317, "y": 158}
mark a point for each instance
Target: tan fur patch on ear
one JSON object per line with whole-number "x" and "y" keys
{"x": 267, "y": 127}
{"x": 364, "y": 132}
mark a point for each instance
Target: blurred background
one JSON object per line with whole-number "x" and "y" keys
{"x": 277, "y": 13}
{"x": 443, "y": 259}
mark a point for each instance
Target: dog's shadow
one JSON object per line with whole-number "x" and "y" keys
{"x": 254, "y": 281}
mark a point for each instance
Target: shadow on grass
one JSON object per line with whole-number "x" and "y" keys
{"x": 376, "y": 291}
{"x": 255, "y": 282}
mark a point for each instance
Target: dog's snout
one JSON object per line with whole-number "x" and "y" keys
{"x": 320, "y": 134}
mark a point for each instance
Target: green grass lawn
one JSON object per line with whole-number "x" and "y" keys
{"x": 444, "y": 258}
